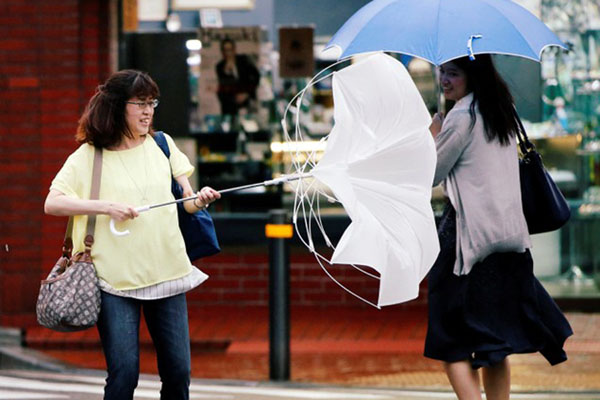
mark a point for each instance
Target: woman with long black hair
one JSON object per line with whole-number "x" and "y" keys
{"x": 484, "y": 301}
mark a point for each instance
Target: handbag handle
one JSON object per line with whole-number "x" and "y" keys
{"x": 91, "y": 222}
{"x": 524, "y": 144}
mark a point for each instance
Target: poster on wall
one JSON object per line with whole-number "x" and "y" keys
{"x": 229, "y": 74}
{"x": 296, "y": 57}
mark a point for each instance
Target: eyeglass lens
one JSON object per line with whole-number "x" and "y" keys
{"x": 144, "y": 104}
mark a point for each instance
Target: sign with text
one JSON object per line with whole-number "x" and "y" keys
{"x": 296, "y": 54}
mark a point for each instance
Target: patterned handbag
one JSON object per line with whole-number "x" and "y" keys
{"x": 69, "y": 298}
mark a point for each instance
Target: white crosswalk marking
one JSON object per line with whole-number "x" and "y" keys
{"x": 88, "y": 385}
{"x": 10, "y": 395}
{"x": 79, "y": 384}
{"x": 150, "y": 388}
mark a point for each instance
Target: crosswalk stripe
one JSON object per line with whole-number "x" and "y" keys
{"x": 198, "y": 390}
{"x": 35, "y": 385}
{"x": 288, "y": 393}
{"x": 30, "y": 384}
{"x": 6, "y": 394}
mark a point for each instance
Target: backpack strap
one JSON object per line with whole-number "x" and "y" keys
{"x": 161, "y": 141}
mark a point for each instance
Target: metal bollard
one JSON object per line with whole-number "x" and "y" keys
{"x": 279, "y": 230}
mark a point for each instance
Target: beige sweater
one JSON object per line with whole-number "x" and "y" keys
{"x": 481, "y": 179}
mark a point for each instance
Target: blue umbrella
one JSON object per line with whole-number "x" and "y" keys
{"x": 442, "y": 30}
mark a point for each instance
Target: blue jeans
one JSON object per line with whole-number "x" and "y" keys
{"x": 167, "y": 321}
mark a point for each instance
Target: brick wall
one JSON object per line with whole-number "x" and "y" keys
{"x": 240, "y": 275}
{"x": 52, "y": 55}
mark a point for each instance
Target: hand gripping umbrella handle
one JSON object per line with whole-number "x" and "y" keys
{"x": 126, "y": 232}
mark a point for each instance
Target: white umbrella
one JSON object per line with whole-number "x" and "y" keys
{"x": 379, "y": 163}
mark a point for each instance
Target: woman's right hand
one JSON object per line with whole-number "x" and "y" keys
{"x": 59, "y": 204}
{"x": 121, "y": 212}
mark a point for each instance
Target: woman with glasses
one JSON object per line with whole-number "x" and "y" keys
{"x": 147, "y": 271}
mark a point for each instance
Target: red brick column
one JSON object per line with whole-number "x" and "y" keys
{"x": 52, "y": 55}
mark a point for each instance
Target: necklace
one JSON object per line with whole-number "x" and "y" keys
{"x": 142, "y": 192}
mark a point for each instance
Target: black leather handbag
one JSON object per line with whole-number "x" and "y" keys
{"x": 544, "y": 206}
{"x": 198, "y": 229}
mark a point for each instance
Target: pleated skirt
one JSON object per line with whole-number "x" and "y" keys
{"x": 498, "y": 309}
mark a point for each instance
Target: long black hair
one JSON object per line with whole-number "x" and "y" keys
{"x": 491, "y": 95}
{"x": 103, "y": 122}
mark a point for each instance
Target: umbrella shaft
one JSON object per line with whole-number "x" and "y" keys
{"x": 283, "y": 179}
{"x": 234, "y": 189}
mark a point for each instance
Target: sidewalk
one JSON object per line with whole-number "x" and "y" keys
{"x": 361, "y": 347}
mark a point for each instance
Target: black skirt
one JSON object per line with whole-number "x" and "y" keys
{"x": 499, "y": 308}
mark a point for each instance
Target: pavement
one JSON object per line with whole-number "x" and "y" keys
{"x": 362, "y": 351}
{"x": 88, "y": 385}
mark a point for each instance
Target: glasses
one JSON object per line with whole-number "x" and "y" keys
{"x": 143, "y": 104}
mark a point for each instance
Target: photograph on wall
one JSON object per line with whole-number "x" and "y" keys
{"x": 228, "y": 77}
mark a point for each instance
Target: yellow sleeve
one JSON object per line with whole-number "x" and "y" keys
{"x": 180, "y": 164}
{"x": 74, "y": 177}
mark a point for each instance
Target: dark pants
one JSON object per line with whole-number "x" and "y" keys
{"x": 167, "y": 321}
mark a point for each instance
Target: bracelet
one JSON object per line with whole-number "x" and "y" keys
{"x": 199, "y": 207}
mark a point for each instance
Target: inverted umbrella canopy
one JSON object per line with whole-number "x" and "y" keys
{"x": 379, "y": 162}
{"x": 442, "y": 30}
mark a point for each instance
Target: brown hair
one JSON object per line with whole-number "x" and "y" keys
{"x": 103, "y": 122}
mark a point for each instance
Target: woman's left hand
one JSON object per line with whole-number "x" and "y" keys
{"x": 205, "y": 196}
{"x": 436, "y": 124}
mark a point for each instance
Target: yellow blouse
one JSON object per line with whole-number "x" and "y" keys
{"x": 154, "y": 251}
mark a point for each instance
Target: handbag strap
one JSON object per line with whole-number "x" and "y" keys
{"x": 524, "y": 144}
{"x": 91, "y": 222}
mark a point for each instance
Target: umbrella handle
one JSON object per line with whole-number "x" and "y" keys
{"x": 470, "y": 46}
{"x": 126, "y": 232}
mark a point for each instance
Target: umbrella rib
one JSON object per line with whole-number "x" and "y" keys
{"x": 319, "y": 222}
{"x": 510, "y": 21}
{"x": 300, "y": 204}
{"x": 341, "y": 285}
{"x": 437, "y": 35}
{"x": 369, "y": 20}
{"x": 365, "y": 272}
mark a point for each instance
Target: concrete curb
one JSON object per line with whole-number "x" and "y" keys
{"x": 14, "y": 356}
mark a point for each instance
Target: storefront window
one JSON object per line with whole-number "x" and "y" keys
{"x": 569, "y": 139}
